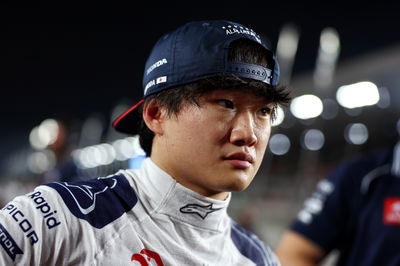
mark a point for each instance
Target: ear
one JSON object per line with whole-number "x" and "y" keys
{"x": 154, "y": 116}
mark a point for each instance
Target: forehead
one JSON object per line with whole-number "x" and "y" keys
{"x": 244, "y": 95}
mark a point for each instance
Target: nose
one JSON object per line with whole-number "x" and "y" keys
{"x": 242, "y": 132}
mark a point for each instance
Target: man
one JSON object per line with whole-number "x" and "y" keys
{"x": 356, "y": 211}
{"x": 210, "y": 92}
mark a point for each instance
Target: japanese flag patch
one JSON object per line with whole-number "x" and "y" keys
{"x": 161, "y": 79}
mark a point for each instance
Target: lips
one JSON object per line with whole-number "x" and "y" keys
{"x": 242, "y": 156}
{"x": 240, "y": 159}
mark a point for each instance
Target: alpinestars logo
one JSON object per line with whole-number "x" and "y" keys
{"x": 145, "y": 256}
{"x": 201, "y": 211}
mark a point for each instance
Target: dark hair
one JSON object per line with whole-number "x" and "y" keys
{"x": 241, "y": 50}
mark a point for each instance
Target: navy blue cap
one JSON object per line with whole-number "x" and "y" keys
{"x": 192, "y": 52}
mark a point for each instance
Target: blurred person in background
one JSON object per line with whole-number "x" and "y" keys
{"x": 65, "y": 168}
{"x": 356, "y": 211}
{"x": 48, "y": 160}
{"x": 210, "y": 94}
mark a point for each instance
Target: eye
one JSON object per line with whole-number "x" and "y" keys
{"x": 266, "y": 111}
{"x": 226, "y": 103}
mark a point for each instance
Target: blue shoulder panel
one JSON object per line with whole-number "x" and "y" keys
{"x": 99, "y": 201}
{"x": 251, "y": 246}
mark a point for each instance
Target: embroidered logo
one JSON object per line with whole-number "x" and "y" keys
{"x": 201, "y": 211}
{"x": 145, "y": 256}
{"x": 156, "y": 64}
{"x": 391, "y": 211}
{"x": 23, "y": 222}
{"x": 234, "y": 29}
{"x": 49, "y": 214}
{"x": 8, "y": 243}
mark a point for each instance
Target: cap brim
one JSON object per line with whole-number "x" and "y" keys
{"x": 129, "y": 121}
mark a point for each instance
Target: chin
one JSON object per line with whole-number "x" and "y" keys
{"x": 239, "y": 184}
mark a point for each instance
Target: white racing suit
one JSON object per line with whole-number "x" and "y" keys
{"x": 135, "y": 217}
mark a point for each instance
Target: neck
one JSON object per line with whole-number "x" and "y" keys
{"x": 185, "y": 181}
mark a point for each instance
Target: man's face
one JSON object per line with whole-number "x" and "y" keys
{"x": 218, "y": 146}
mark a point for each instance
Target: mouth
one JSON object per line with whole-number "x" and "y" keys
{"x": 241, "y": 160}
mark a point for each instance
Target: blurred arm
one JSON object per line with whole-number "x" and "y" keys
{"x": 296, "y": 250}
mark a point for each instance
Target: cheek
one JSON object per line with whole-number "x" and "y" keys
{"x": 263, "y": 139}
{"x": 191, "y": 132}
{"x": 202, "y": 125}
